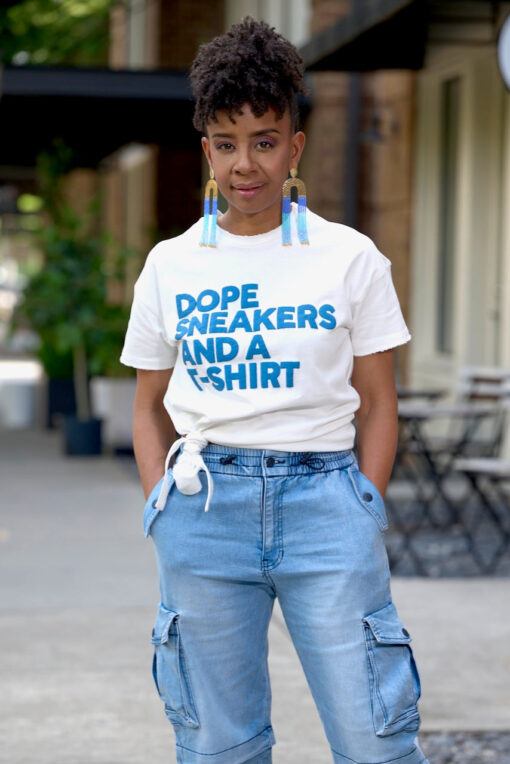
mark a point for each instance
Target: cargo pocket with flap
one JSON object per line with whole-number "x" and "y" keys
{"x": 170, "y": 671}
{"x": 394, "y": 680}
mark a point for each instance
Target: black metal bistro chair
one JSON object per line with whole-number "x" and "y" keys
{"x": 427, "y": 499}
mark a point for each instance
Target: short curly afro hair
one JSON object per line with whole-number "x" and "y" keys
{"x": 251, "y": 63}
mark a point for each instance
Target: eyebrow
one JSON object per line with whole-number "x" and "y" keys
{"x": 252, "y": 135}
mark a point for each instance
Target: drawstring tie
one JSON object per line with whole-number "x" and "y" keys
{"x": 312, "y": 460}
{"x": 186, "y": 469}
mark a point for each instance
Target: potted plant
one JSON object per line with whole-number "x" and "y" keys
{"x": 66, "y": 303}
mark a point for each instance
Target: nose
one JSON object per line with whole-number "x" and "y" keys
{"x": 244, "y": 161}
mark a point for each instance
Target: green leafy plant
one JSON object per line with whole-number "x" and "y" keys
{"x": 69, "y": 32}
{"x": 65, "y": 302}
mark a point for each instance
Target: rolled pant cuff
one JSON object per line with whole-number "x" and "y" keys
{"x": 415, "y": 757}
{"x": 236, "y": 755}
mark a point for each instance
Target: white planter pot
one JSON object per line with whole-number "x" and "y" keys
{"x": 21, "y": 382}
{"x": 112, "y": 401}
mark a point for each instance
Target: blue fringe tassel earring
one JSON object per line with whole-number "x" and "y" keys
{"x": 294, "y": 182}
{"x": 210, "y": 212}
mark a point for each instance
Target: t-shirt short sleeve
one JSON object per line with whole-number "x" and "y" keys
{"x": 146, "y": 345}
{"x": 377, "y": 321}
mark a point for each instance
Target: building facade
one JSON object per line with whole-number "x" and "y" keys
{"x": 433, "y": 169}
{"x": 460, "y": 227}
{"x": 408, "y": 139}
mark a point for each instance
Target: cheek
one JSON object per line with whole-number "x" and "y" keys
{"x": 281, "y": 164}
{"x": 221, "y": 174}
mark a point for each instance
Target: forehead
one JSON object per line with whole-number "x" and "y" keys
{"x": 247, "y": 122}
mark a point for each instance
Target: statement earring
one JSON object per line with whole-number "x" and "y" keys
{"x": 290, "y": 183}
{"x": 210, "y": 212}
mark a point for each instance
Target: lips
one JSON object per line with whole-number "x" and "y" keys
{"x": 249, "y": 190}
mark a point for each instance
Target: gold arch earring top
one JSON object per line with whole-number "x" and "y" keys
{"x": 211, "y": 186}
{"x": 293, "y": 182}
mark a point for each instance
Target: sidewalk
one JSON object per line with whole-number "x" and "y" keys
{"x": 78, "y": 594}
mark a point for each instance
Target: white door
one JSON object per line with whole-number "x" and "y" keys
{"x": 460, "y": 284}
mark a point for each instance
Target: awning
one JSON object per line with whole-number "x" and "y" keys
{"x": 62, "y": 81}
{"x": 376, "y": 34}
{"x": 95, "y": 111}
{"x": 393, "y": 34}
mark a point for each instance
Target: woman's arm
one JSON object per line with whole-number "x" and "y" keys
{"x": 377, "y": 417}
{"x": 153, "y": 431}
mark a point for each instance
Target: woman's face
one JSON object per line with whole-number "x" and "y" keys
{"x": 251, "y": 159}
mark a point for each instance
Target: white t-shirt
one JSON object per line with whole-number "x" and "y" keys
{"x": 261, "y": 336}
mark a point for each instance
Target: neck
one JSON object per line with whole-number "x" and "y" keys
{"x": 240, "y": 224}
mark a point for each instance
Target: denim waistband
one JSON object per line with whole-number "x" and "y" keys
{"x": 196, "y": 454}
{"x": 255, "y": 462}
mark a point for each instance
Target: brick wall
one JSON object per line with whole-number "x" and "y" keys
{"x": 118, "y": 31}
{"x": 184, "y": 25}
{"x": 386, "y": 164}
{"x": 323, "y": 162}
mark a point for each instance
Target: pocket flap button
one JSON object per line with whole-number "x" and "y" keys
{"x": 367, "y": 497}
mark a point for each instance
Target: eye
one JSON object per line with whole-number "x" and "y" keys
{"x": 265, "y": 144}
{"x": 225, "y": 146}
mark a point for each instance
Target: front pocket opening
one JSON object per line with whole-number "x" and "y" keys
{"x": 375, "y": 501}
{"x": 170, "y": 671}
{"x": 150, "y": 511}
{"x": 393, "y": 676}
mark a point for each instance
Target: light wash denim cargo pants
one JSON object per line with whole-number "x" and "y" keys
{"x": 306, "y": 528}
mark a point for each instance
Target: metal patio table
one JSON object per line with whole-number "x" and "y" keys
{"x": 424, "y": 467}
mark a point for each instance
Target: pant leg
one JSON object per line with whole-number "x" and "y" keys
{"x": 333, "y": 584}
{"x": 210, "y": 636}
{"x": 262, "y": 758}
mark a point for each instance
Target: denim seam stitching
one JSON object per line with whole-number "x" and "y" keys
{"x": 259, "y": 734}
{"x": 279, "y": 531}
{"x": 389, "y": 761}
{"x": 280, "y": 521}
{"x": 185, "y": 681}
{"x": 240, "y": 470}
{"x": 267, "y": 693}
{"x": 267, "y": 575}
{"x": 263, "y": 519}
{"x": 376, "y": 683}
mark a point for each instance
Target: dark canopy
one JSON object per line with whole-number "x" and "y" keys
{"x": 393, "y": 34}
{"x": 95, "y": 111}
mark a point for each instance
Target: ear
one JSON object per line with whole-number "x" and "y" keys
{"x": 296, "y": 147}
{"x": 207, "y": 149}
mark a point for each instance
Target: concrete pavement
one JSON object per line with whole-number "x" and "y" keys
{"x": 78, "y": 595}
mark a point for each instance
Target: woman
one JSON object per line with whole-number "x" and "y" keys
{"x": 261, "y": 335}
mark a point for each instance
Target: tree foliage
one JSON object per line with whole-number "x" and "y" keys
{"x": 65, "y": 32}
